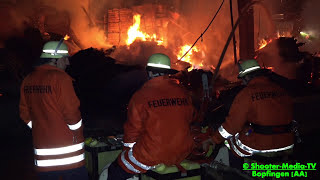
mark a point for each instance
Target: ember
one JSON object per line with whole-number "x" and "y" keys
{"x": 66, "y": 37}
{"x": 270, "y": 67}
{"x": 263, "y": 43}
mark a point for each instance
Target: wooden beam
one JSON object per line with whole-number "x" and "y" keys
{"x": 246, "y": 32}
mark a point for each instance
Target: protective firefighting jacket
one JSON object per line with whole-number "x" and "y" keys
{"x": 50, "y": 107}
{"x": 158, "y": 126}
{"x": 262, "y": 103}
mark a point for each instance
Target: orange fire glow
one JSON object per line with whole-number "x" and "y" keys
{"x": 270, "y": 68}
{"x": 263, "y": 43}
{"x": 188, "y": 58}
{"x": 66, "y": 37}
{"x": 135, "y": 33}
{"x": 184, "y": 49}
{"x": 284, "y": 34}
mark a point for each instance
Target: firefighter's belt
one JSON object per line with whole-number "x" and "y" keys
{"x": 268, "y": 130}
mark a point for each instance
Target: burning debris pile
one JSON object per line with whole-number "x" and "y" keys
{"x": 282, "y": 55}
{"x": 134, "y": 33}
{"x": 126, "y": 25}
{"x": 131, "y": 32}
{"x": 136, "y": 29}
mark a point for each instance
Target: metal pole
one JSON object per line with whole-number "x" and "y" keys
{"x": 234, "y": 38}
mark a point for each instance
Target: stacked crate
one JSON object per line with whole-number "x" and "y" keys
{"x": 161, "y": 19}
{"x": 147, "y": 17}
{"x": 154, "y": 20}
{"x": 113, "y": 26}
{"x": 126, "y": 20}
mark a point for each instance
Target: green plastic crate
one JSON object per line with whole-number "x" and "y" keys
{"x": 99, "y": 156}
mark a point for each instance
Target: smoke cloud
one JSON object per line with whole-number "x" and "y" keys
{"x": 14, "y": 18}
{"x": 81, "y": 22}
{"x": 310, "y": 18}
{"x": 189, "y": 18}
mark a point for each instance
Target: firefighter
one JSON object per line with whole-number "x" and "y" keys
{"x": 158, "y": 126}
{"x": 260, "y": 118}
{"x": 50, "y": 107}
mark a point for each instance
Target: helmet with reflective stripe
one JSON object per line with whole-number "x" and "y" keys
{"x": 159, "y": 61}
{"x": 247, "y": 66}
{"x": 54, "y": 49}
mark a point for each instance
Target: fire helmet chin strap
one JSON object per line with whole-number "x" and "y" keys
{"x": 58, "y": 46}
{"x": 152, "y": 75}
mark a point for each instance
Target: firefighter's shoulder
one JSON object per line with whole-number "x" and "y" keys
{"x": 59, "y": 75}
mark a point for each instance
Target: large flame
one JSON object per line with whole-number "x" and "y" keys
{"x": 188, "y": 57}
{"x": 135, "y": 33}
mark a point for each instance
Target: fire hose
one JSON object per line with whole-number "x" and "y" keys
{"x": 216, "y": 166}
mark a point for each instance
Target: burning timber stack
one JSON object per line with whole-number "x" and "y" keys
{"x": 118, "y": 21}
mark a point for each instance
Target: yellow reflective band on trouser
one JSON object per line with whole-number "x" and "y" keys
{"x": 127, "y": 164}
{"x": 59, "y": 162}
{"x": 254, "y": 151}
{"x": 233, "y": 146}
{"x": 130, "y": 145}
{"x": 136, "y": 162}
{"x": 224, "y": 133}
{"x": 75, "y": 126}
{"x": 60, "y": 150}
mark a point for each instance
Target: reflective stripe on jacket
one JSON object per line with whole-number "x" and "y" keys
{"x": 264, "y": 103}
{"x": 130, "y": 164}
{"x": 50, "y": 107}
{"x": 158, "y": 126}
